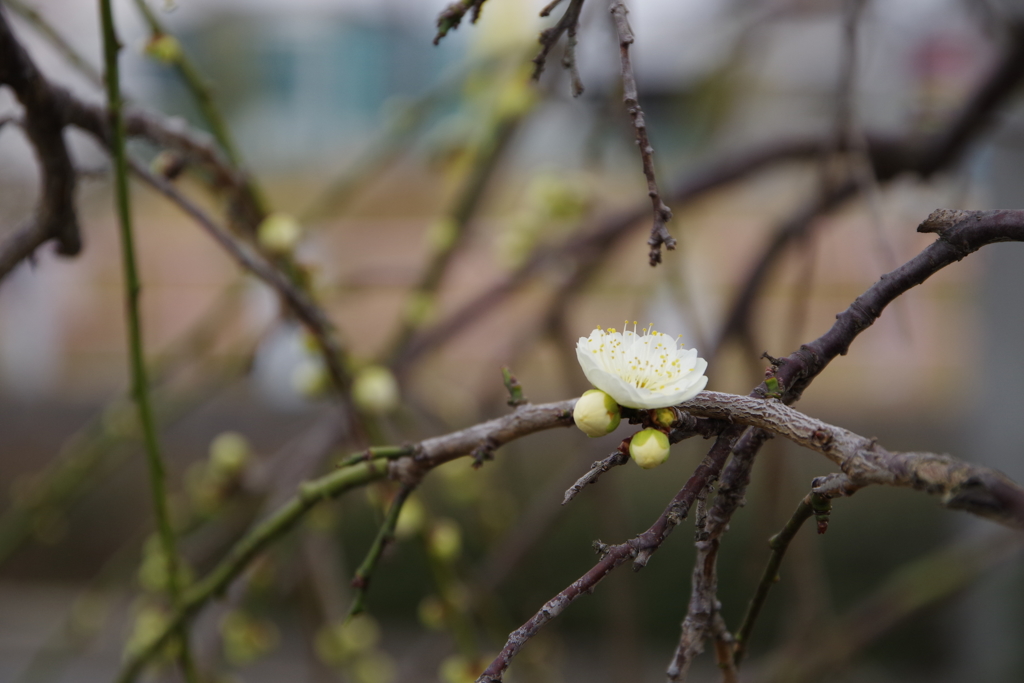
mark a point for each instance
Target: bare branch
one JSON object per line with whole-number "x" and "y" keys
{"x": 452, "y": 16}
{"x": 662, "y": 214}
{"x": 639, "y": 548}
{"x": 568, "y": 24}
{"x": 43, "y": 123}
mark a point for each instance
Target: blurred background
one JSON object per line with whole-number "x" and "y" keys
{"x": 446, "y": 205}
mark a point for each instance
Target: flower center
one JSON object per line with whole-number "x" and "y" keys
{"x": 647, "y": 361}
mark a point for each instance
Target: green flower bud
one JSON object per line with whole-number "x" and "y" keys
{"x": 649, "y": 448}
{"x": 164, "y": 48}
{"x": 596, "y": 413}
{"x": 279, "y": 233}
{"x": 664, "y": 417}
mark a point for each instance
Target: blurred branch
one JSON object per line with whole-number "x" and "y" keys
{"x": 43, "y": 124}
{"x": 452, "y": 16}
{"x": 888, "y": 158}
{"x": 568, "y": 24}
{"x": 73, "y": 57}
{"x": 909, "y": 589}
{"x": 408, "y": 469}
{"x": 662, "y": 214}
{"x": 201, "y": 93}
{"x": 594, "y": 238}
{"x": 453, "y": 230}
{"x": 812, "y": 504}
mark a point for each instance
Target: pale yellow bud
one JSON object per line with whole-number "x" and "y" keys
{"x": 279, "y": 233}
{"x": 310, "y": 379}
{"x": 445, "y": 541}
{"x": 375, "y": 390}
{"x": 649, "y": 448}
{"x": 164, "y": 48}
{"x": 596, "y": 413}
{"x": 229, "y": 452}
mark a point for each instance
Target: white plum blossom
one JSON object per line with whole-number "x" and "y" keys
{"x": 645, "y": 371}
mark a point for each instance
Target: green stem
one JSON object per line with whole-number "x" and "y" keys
{"x": 385, "y": 535}
{"x": 276, "y": 525}
{"x": 811, "y": 505}
{"x": 203, "y": 96}
{"x": 140, "y": 387}
{"x": 374, "y": 452}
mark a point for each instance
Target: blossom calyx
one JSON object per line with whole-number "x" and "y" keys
{"x": 596, "y": 413}
{"x": 649, "y": 448}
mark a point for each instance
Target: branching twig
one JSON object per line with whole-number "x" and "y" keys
{"x": 659, "y": 233}
{"x": 201, "y": 93}
{"x": 568, "y": 24}
{"x": 779, "y": 543}
{"x": 452, "y": 16}
{"x": 703, "y": 607}
{"x": 639, "y": 548}
{"x": 408, "y": 469}
{"x": 386, "y": 534}
{"x": 962, "y": 486}
{"x": 43, "y": 124}
{"x": 140, "y": 382}
{"x": 74, "y": 58}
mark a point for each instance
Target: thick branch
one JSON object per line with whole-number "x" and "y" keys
{"x": 963, "y": 486}
{"x": 44, "y": 126}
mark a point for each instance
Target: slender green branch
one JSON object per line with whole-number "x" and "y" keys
{"x": 375, "y": 452}
{"x": 140, "y": 386}
{"x": 386, "y": 534}
{"x": 423, "y": 457}
{"x": 811, "y": 505}
{"x": 203, "y": 95}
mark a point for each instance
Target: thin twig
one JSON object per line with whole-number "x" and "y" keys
{"x": 73, "y": 56}
{"x": 203, "y": 96}
{"x": 662, "y": 214}
{"x": 386, "y": 534}
{"x": 455, "y": 229}
{"x": 639, "y": 549}
{"x": 452, "y": 16}
{"x": 140, "y": 382}
{"x": 909, "y": 589}
{"x": 569, "y": 24}
{"x": 779, "y": 543}
{"x": 616, "y": 459}
{"x": 703, "y": 606}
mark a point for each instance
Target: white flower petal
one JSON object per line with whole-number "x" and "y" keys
{"x": 643, "y": 371}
